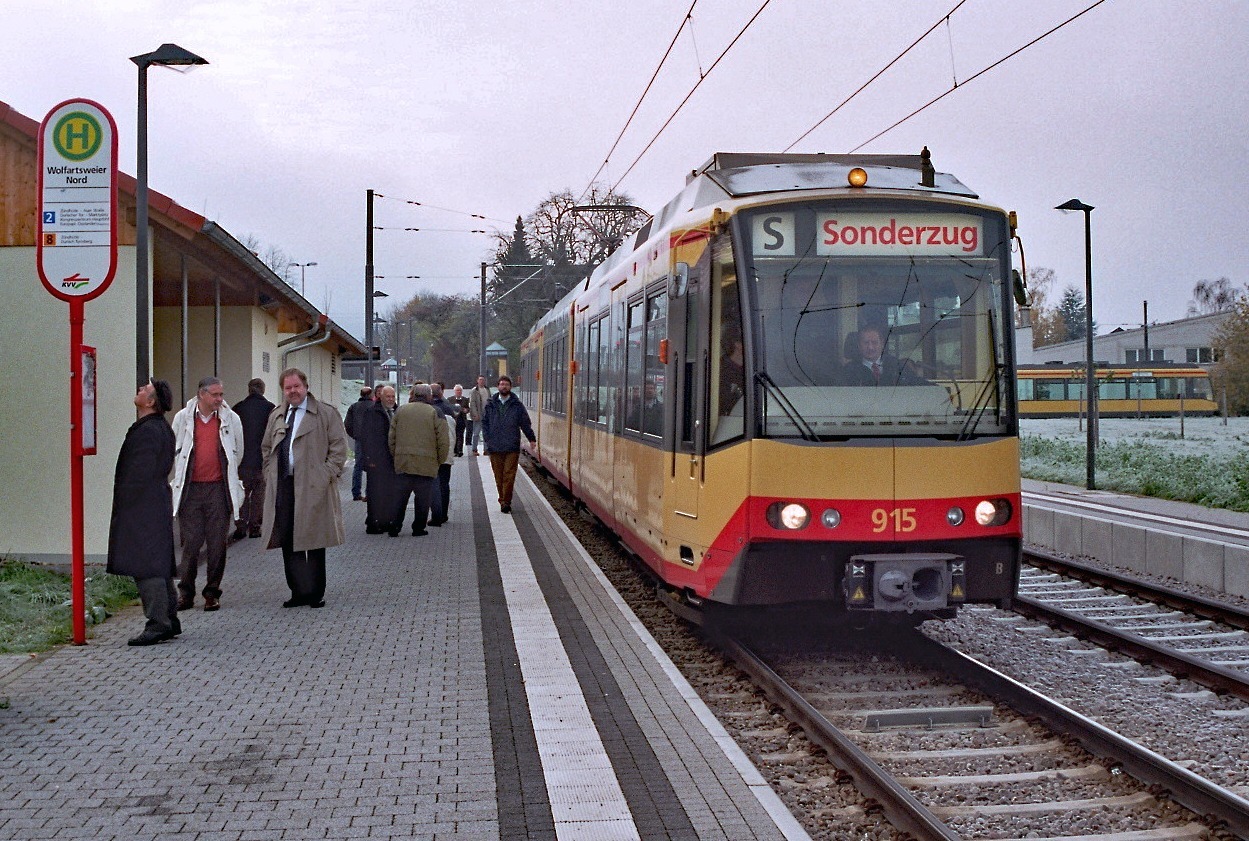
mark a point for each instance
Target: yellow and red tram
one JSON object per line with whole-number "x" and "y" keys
{"x": 703, "y": 392}
{"x": 1161, "y": 389}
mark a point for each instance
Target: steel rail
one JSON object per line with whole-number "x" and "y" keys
{"x": 897, "y": 804}
{"x": 1218, "y": 805}
{"x": 1180, "y": 663}
{"x": 1224, "y": 612}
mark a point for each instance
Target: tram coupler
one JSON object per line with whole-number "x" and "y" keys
{"x": 910, "y": 582}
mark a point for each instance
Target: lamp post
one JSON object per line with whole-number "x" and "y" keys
{"x": 1090, "y": 449}
{"x": 302, "y": 267}
{"x": 168, "y": 55}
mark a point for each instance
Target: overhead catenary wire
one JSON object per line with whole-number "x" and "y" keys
{"x": 980, "y": 73}
{"x": 684, "y": 21}
{"x": 945, "y": 18}
{"x": 702, "y": 78}
{"x": 436, "y": 207}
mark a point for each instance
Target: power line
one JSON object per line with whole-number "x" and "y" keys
{"x": 701, "y": 79}
{"x": 956, "y": 86}
{"x": 878, "y": 74}
{"x": 638, "y": 105}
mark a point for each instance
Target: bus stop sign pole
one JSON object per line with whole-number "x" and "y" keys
{"x": 76, "y": 253}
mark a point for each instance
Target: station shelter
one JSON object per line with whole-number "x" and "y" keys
{"x": 214, "y": 309}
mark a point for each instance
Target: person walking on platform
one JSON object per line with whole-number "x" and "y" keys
{"x": 207, "y": 493}
{"x": 419, "y": 443}
{"x": 367, "y": 398}
{"x": 305, "y": 452}
{"x": 502, "y": 422}
{"x": 476, "y": 407}
{"x": 373, "y": 431}
{"x": 461, "y": 401}
{"x": 253, "y": 411}
{"x": 140, "y": 533}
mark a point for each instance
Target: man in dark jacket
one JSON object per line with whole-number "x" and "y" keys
{"x": 140, "y": 534}
{"x": 253, "y": 411}
{"x": 502, "y": 423}
{"x": 373, "y": 442}
{"x": 367, "y": 397}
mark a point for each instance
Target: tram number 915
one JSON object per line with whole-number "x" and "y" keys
{"x": 903, "y": 519}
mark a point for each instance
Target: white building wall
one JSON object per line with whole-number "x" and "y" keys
{"x": 34, "y": 407}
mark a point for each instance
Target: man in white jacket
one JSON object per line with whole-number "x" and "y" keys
{"x": 206, "y": 489}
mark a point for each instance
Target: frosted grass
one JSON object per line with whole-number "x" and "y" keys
{"x": 1208, "y": 466}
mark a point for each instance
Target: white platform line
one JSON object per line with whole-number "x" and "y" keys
{"x": 587, "y": 804}
{"x": 768, "y": 799}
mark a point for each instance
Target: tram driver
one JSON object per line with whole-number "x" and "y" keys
{"x": 873, "y": 366}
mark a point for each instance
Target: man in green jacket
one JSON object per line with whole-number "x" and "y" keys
{"x": 419, "y": 442}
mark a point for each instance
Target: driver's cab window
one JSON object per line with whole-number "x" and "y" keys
{"x": 728, "y": 376}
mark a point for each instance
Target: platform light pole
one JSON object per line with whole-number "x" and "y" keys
{"x": 1090, "y": 378}
{"x": 168, "y": 55}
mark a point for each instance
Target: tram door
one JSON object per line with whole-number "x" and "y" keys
{"x": 687, "y": 434}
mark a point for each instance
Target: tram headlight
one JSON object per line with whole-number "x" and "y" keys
{"x": 831, "y": 518}
{"x": 788, "y": 515}
{"x": 993, "y": 512}
{"x": 954, "y": 516}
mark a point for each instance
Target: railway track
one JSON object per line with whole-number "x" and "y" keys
{"x": 1204, "y": 640}
{"x": 948, "y": 748}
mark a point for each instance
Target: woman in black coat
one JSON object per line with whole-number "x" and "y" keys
{"x": 140, "y": 537}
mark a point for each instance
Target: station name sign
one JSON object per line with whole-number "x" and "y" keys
{"x": 77, "y": 244}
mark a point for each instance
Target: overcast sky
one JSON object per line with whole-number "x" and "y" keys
{"x": 1138, "y": 108}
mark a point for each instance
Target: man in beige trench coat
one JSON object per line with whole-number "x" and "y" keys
{"x": 305, "y": 451}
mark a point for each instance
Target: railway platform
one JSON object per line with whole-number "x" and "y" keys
{"x": 482, "y": 682}
{"x": 1178, "y": 540}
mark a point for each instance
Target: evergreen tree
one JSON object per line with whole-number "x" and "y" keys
{"x": 1071, "y": 311}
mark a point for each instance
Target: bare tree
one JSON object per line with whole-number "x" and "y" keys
{"x": 1211, "y": 296}
{"x": 275, "y": 258}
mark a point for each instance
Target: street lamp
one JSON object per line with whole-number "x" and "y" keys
{"x": 302, "y": 267}
{"x": 1090, "y": 448}
{"x": 168, "y": 55}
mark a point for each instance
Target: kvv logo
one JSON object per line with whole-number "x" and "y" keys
{"x": 77, "y": 136}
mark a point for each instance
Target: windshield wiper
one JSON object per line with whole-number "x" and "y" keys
{"x": 991, "y": 383}
{"x": 791, "y": 412}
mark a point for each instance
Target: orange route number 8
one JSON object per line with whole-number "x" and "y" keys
{"x": 903, "y": 519}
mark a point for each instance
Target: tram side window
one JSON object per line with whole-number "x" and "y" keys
{"x": 728, "y": 410}
{"x": 589, "y": 378}
{"x": 1047, "y": 390}
{"x": 1112, "y": 390}
{"x": 606, "y": 371}
{"x": 634, "y": 364}
{"x": 1024, "y": 389}
{"x": 654, "y": 385}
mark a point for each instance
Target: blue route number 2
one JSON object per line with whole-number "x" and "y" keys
{"x": 49, "y": 217}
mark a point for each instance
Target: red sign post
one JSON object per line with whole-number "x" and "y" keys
{"x": 77, "y": 258}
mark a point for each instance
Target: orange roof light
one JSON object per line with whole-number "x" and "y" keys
{"x": 857, "y": 177}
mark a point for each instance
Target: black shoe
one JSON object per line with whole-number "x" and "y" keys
{"x": 393, "y": 532}
{"x": 150, "y": 638}
{"x": 316, "y": 604}
{"x": 293, "y": 602}
{"x": 186, "y": 602}
{"x": 357, "y": 498}
{"x": 436, "y": 523}
{"x": 211, "y": 604}
{"x": 254, "y": 533}
{"x": 176, "y": 624}
{"x": 506, "y": 509}
{"x": 238, "y": 534}
{"x": 420, "y": 533}
{"x": 374, "y": 530}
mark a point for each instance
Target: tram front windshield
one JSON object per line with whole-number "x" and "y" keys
{"x": 878, "y": 320}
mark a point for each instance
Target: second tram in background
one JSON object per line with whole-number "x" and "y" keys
{"x": 1056, "y": 390}
{"x": 707, "y": 393}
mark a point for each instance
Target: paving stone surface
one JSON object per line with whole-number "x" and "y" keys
{"x": 369, "y": 718}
